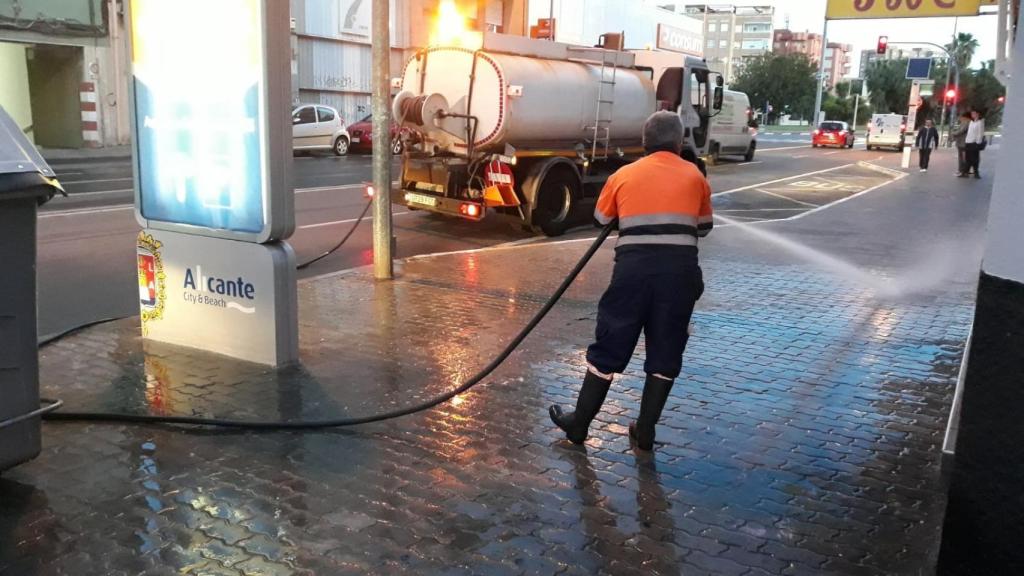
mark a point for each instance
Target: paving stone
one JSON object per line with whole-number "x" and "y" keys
{"x": 803, "y": 438}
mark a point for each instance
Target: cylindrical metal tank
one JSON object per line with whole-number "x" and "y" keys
{"x": 527, "y": 101}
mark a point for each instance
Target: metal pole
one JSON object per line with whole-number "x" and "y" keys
{"x": 383, "y": 266}
{"x": 856, "y": 108}
{"x": 821, "y": 75}
{"x": 949, "y": 75}
{"x": 551, "y": 19}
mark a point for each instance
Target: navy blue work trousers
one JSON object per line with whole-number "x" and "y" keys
{"x": 653, "y": 290}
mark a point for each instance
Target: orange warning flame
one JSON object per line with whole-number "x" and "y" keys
{"x": 450, "y": 29}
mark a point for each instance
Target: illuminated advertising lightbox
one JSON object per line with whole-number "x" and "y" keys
{"x": 204, "y": 118}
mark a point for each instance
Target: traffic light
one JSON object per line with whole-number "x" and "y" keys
{"x": 1001, "y": 99}
{"x": 883, "y": 44}
{"x": 951, "y": 95}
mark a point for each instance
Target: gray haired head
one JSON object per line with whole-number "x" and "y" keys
{"x": 663, "y": 132}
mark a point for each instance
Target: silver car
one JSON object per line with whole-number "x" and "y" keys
{"x": 318, "y": 127}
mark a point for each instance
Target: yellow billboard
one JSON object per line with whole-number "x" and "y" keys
{"x": 848, "y": 9}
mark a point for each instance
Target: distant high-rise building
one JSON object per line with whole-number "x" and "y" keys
{"x": 734, "y": 34}
{"x": 837, "y": 56}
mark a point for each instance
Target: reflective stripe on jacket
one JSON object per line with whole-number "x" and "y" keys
{"x": 659, "y": 199}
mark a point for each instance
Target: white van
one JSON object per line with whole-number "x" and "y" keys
{"x": 887, "y": 131}
{"x": 730, "y": 129}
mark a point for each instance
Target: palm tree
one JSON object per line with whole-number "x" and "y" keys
{"x": 963, "y": 47}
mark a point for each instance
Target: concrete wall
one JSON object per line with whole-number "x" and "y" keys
{"x": 14, "y": 92}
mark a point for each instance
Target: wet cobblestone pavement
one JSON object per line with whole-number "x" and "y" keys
{"x": 802, "y": 438}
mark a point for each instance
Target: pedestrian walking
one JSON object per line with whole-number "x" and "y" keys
{"x": 960, "y": 137}
{"x": 927, "y": 140}
{"x": 975, "y": 143}
{"x": 663, "y": 205}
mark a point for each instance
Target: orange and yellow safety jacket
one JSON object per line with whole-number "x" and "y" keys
{"x": 659, "y": 199}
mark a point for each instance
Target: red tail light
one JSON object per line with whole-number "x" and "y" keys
{"x": 842, "y": 132}
{"x": 469, "y": 209}
{"x": 816, "y": 132}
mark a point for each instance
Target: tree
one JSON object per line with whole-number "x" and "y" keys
{"x": 842, "y": 89}
{"x": 785, "y": 81}
{"x": 890, "y": 89}
{"x": 963, "y": 47}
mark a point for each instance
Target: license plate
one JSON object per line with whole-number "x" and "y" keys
{"x": 423, "y": 199}
{"x": 355, "y": 140}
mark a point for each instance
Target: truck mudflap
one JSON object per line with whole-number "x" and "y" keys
{"x": 417, "y": 199}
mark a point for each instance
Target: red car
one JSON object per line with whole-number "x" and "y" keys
{"x": 361, "y": 134}
{"x": 833, "y": 134}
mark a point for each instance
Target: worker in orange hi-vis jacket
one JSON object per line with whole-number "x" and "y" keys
{"x": 663, "y": 205}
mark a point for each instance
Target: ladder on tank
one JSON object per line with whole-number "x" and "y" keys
{"x": 602, "y": 128}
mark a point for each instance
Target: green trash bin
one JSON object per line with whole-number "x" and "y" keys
{"x": 26, "y": 182}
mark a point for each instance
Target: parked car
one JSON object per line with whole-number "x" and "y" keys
{"x": 318, "y": 127}
{"x": 833, "y": 134}
{"x": 731, "y": 133}
{"x": 887, "y": 131}
{"x": 362, "y": 135}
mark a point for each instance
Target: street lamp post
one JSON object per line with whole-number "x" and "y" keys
{"x": 383, "y": 265}
{"x": 821, "y": 75}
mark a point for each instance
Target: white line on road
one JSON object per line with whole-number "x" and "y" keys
{"x": 831, "y": 153}
{"x": 336, "y": 222}
{"x": 763, "y": 191}
{"x": 781, "y": 148}
{"x": 777, "y": 180}
{"x": 750, "y": 163}
{"x": 800, "y": 156}
{"x": 848, "y": 198}
{"x": 77, "y": 211}
{"x": 100, "y": 192}
{"x": 67, "y": 182}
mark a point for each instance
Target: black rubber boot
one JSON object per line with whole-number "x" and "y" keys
{"x": 576, "y": 424}
{"x": 641, "y": 430}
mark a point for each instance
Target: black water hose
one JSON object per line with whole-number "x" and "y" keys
{"x": 333, "y": 249}
{"x": 61, "y": 416}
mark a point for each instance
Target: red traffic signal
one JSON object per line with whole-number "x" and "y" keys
{"x": 883, "y": 44}
{"x": 951, "y": 95}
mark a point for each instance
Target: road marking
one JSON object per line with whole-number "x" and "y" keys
{"x": 336, "y": 222}
{"x": 77, "y": 211}
{"x": 777, "y": 180}
{"x": 831, "y": 153}
{"x": 759, "y": 210}
{"x": 750, "y": 163}
{"x": 800, "y": 156}
{"x": 763, "y": 191}
{"x": 96, "y": 181}
{"x": 100, "y": 192}
{"x": 341, "y": 187}
{"x": 781, "y": 148}
{"x": 848, "y": 198}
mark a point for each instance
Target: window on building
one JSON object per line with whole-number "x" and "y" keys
{"x": 713, "y": 27}
{"x": 325, "y": 114}
{"x": 761, "y": 44}
{"x": 305, "y": 115}
{"x": 711, "y": 43}
{"x": 736, "y": 44}
{"x": 756, "y": 27}
{"x": 723, "y": 43}
{"x": 725, "y": 26}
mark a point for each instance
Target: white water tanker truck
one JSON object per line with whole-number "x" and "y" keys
{"x": 529, "y": 129}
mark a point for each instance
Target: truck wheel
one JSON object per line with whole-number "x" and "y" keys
{"x": 555, "y": 199}
{"x": 749, "y": 156}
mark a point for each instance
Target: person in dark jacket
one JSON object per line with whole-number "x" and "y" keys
{"x": 927, "y": 140}
{"x": 960, "y": 137}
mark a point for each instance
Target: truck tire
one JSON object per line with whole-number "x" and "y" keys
{"x": 749, "y": 156}
{"x": 556, "y": 197}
